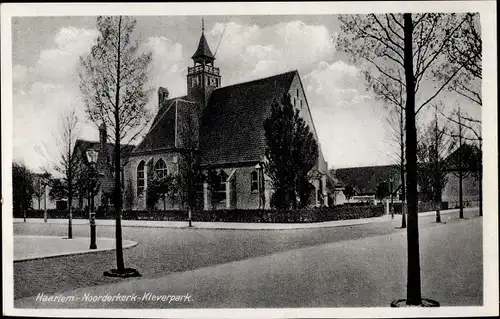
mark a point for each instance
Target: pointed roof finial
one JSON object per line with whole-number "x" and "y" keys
{"x": 203, "y": 52}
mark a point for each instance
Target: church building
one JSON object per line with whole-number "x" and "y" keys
{"x": 225, "y": 124}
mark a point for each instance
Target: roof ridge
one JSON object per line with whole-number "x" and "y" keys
{"x": 256, "y": 80}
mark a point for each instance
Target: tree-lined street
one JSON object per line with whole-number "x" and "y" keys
{"x": 357, "y": 266}
{"x": 162, "y": 251}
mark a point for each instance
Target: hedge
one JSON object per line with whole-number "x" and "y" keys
{"x": 309, "y": 215}
{"x": 422, "y": 207}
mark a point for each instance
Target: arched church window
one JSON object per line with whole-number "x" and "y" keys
{"x": 160, "y": 168}
{"x": 254, "y": 181}
{"x": 140, "y": 178}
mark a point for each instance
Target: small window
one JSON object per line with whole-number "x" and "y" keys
{"x": 300, "y": 103}
{"x": 160, "y": 168}
{"x": 219, "y": 189}
{"x": 294, "y": 102}
{"x": 254, "y": 182}
{"x": 297, "y": 93}
{"x": 140, "y": 178}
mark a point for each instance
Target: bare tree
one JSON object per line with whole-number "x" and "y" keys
{"x": 433, "y": 150}
{"x": 112, "y": 82}
{"x": 63, "y": 160}
{"x": 395, "y": 121}
{"x": 398, "y": 53}
{"x": 465, "y": 125}
{"x": 465, "y": 52}
{"x": 190, "y": 171}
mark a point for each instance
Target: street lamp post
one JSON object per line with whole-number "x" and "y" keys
{"x": 92, "y": 159}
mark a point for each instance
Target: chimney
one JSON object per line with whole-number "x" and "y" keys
{"x": 162, "y": 96}
{"x": 103, "y": 136}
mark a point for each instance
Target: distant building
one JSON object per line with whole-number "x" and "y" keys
{"x": 105, "y": 167}
{"x": 470, "y": 181}
{"x": 365, "y": 180}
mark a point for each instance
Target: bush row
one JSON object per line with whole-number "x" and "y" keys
{"x": 422, "y": 207}
{"x": 309, "y": 215}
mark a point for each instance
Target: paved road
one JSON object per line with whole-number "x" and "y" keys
{"x": 164, "y": 251}
{"x": 366, "y": 272}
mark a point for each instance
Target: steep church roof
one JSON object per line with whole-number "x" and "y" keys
{"x": 232, "y": 126}
{"x": 161, "y": 134}
{"x": 203, "y": 50}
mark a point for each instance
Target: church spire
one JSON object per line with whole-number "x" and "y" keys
{"x": 203, "y": 54}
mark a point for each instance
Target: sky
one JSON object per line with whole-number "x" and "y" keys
{"x": 350, "y": 122}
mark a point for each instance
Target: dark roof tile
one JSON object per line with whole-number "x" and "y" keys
{"x": 232, "y": 127}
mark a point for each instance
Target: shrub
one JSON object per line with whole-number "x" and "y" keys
{"x": 306, "y": 215}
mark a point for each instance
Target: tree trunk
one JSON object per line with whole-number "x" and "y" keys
{"x": 438, "y": 211}
{"x": 481, "y": 178}
{"x": 118, "y": 200}
{"x": 45, "y": 203}
{"x": 414, "y": 296}
{"x": 402, "y": 171}
{"x": 460, "y": 171}
{"x": 70, "y": 193}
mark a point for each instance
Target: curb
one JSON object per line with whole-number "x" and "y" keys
{"x": 129, "y": 245}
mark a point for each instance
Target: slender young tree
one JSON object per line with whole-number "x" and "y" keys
{"x": 401, "y": 51}
{"x": 395, "y": 122}
{"x": 63, "y": 159}
{"x": 469, "y": 162}
{"x": 433, "y": 150}
{"x": 189, "y": 167}
{"x": 113, "y": 84}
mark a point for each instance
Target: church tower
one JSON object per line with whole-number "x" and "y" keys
{"x": 203, "y": 77}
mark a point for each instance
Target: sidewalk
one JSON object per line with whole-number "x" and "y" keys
{"x": 224, "y": 225}
{"x": 39, "y": 247}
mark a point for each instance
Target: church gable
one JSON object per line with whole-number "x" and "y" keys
{"x": 299, "y": 101}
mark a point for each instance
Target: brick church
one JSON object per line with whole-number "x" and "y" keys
{"x": 226, "y": 124}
